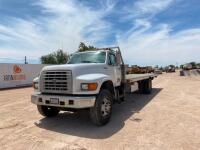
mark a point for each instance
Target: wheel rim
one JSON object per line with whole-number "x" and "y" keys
{"x": 105, "y": 107}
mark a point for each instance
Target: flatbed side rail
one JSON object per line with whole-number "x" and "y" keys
{"x": 138, "y": 77}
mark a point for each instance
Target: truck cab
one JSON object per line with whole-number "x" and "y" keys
{"x": 90, "y": 80}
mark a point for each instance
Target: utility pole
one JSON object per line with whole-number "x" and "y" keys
{"x": 25, "y": 61}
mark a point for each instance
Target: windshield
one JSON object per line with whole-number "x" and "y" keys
{"x": 88, "y": 57}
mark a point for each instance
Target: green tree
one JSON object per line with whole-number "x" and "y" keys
{"x": 61, "y": 57}
{"x": 82, "y": 47}
{"x": 58, "y": 57}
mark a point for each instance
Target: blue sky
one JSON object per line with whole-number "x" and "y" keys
{"x": 149, "y": 32}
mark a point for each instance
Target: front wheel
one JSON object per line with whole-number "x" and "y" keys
{"x": 100, "y": 114}
{"x": 48, "y": 111}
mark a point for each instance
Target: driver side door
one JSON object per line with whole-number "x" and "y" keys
{"x": 114, "y": 69}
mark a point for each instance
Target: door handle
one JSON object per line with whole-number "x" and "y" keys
{"x": 105, "y": 67}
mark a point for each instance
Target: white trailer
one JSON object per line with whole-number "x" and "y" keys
{"x": 92, "y": 80}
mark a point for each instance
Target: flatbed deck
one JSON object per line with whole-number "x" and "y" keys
{"x": 138, "y": 77}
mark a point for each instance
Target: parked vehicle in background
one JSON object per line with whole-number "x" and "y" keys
{"x": 170, "y": 68}
{"x": 158, "y": 71}
{"x": 187, "y": 66}
{"x": 198, "y": 66}
{"x": 91, "y": 80}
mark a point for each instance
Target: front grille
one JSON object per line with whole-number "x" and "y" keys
{"x": 59, "y": 82}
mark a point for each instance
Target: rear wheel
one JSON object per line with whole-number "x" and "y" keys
{"x": 148, "y": 86}
{"x": 141, "y": 87}
{"x": 48, "y": 111}
{"x": 100, "y": 114}
{"x": 145, "y": 86}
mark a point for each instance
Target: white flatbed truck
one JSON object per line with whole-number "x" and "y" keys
{"x": 92, "y": 80}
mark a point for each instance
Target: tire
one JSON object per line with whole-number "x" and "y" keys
{"x": 100, "y": 114}
{"x": 141, "y": 87}
{"x": 145, "y": 87}
{"x": 48, "y": 111}
{"x": 148, "y": 86}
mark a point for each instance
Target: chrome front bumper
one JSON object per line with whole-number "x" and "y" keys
{"x": 64, "y": 101}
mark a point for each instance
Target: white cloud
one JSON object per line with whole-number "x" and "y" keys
{"x": 67, "y": 22}
{"x": 161, "y": 46}
{"x": 108, "y": 5}
{"x": 150, "y": 44}
{"x": 144, "y": 9}
{"x": 153, "y": 6}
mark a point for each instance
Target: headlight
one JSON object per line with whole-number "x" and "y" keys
{"x": 89, "y": 86}
{"x": 35, "y": 85}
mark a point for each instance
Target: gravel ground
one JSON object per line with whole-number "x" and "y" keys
{"x": 169, "y": 118}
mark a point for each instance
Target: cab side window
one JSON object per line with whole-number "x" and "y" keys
{"x": 112, "y": 59}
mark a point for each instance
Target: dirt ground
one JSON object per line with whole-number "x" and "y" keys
{"x": 169, "y": 118}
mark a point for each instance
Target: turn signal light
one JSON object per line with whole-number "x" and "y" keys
{"x": 89, "y": 86}
{"x": 92, "y": 86}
